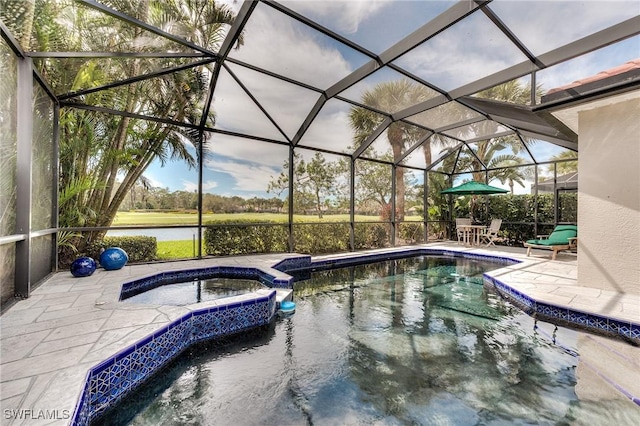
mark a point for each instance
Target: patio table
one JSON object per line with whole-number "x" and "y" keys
{"x": 472, "y": 233}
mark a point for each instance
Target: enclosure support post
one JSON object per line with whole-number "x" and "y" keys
{"x": 23, "y": 177}
{"x": 425, "y": 207}
{"x": 290, "y": 206}
{"x": 200, "y": 195}
{"x": 393, "y": 206}
{"x": 535, "y": 202}
{"x": 56, "y": 178}
{"x": 352, "y": 204}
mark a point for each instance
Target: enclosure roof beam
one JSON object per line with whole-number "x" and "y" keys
{"x": 272, "y": 74}
{"x": 372, "y": 137}
{"x": 511, "y": 36}
{"x": 135, "y": 79}
{"x": 119, "y": 55}
{"x": 295, "y": 15}
{"x": 560, "y": 142}
{"x": 79, "y": 105}
{"x": 255, "y": 101}
{"x": 443, "y": 21}
{"x": 11, "y": 41}
{"x": 413, "y": 148}
{"x": 155, "y": 30}
{"x": 446, "y": 154}
{"x": 232, "y": 37}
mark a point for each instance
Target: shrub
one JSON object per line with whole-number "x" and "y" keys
{"x": 517, "y": 212}
{"x": 139, "y": 248}
{"x": 315, "y": 238}
{"x": 371, "y": 235}
{"x": 411, "y": 232}
{"x": 232, "y": 237}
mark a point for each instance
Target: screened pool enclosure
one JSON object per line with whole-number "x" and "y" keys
{"x": 215, "y": 128}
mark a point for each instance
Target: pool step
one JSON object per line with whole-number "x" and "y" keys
{"x": 610, "y": 361}
{"x": 283, "y": 294}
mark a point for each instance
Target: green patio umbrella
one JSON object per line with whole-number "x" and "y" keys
{"x": 474, "y": 188}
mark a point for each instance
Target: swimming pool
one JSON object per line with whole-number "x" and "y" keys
{"x": 409, "y": 341}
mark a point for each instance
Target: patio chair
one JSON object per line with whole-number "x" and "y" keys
{"x": 491, "y": 234}
{"x": 563, "y": 237}
{"x": 461, "y": 221}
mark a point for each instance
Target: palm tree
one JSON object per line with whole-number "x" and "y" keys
{"x": 112, "y": 152}
{"x": 390, "y": 97}
{"x": 565, "y": 167}
{"x": 508, "y": 170}
{"x": 512, "y": 92}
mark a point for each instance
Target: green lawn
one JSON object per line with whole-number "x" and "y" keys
{"x": 176, "y": 249}
{"x": 162, "y": 218}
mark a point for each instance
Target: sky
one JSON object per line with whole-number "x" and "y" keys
{"x": 457, "y": 56}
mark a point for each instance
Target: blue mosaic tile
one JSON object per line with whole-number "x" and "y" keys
{"x": 578, "y": 318}
{"x": 137, "y": 286}
{"x": 551, "y": 311}
{"x": 81, "y": 415}
{"x": 634, "y": 332}
{"x": 103, "y": 365}
{"x": 620, "y": 327}
{"x": 234, "y": 305}
{"x": 597, "y": 322}
{"x": 144, "y": 341}
{"x": 293, "y": 263}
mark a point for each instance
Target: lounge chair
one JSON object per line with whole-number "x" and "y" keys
{"x": 460, "y": 232}
{"x": 491, "y": 234}
{"x": 563, "y": 237}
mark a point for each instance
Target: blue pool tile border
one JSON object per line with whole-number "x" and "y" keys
{"x": 150, "y": 282}
{"x": 382, "y": 256}
{"x": 564, "y": 316}
{"x": 111, "y": 380}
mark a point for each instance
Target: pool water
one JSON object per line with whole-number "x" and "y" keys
{"x": 412, "y": 341}
{"x": 196, "y": 291}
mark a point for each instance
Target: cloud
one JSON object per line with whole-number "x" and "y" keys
{"x": 231, "y": 147}
{"x": 247, "y": 176}
{"x": 458, "y": 56}
{"x": 286, "y": 103}
{"x": 280, "y": 44}
{"x": 190, "y": 186}
{"x": 330, "y": 130}
{"x": 545, "y": 25}
{"x": 344, "y": 16}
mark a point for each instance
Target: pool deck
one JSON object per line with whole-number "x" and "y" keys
{"x": 50, "y": 340}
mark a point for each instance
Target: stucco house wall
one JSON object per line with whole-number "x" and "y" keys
{"x": 609, "y": 196}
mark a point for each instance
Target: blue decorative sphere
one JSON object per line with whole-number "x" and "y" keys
{"x": 83, "y": 267}
{"x": 113, "y": 258}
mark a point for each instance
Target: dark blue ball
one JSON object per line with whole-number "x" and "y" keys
{"x": 83, "y": 267}
{"x": 113, "y": 258}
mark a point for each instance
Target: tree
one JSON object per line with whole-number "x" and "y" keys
{"x": 510, "y": 173}
{"x": 564, "y": 167}
{"x": 314, "y": 184}
{"x": 103, "y": 156}
{"x": 373, "y": 183}
{"x": 512, "y": 92}
{"x": 390, "y": 96}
